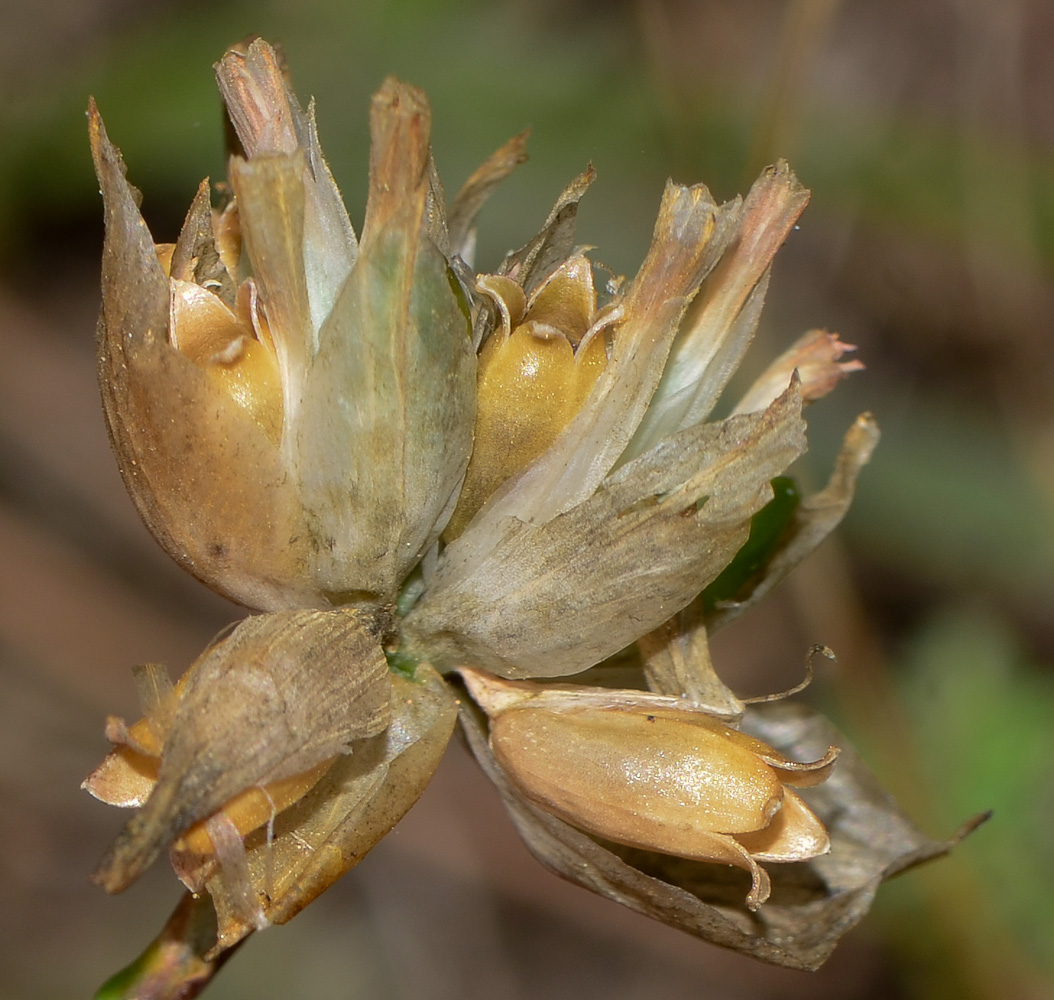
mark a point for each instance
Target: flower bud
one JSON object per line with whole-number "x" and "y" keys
{"x": 282, "y": 867}
{"x": 296, "y": 437}
{"x": 201, "y": 465}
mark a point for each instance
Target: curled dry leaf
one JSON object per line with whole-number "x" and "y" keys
{"x": 556, "y": 598}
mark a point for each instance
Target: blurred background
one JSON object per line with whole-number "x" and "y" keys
{"x": 926, "y": 132}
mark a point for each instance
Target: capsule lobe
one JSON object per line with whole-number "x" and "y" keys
{"x": 646, "y": 780}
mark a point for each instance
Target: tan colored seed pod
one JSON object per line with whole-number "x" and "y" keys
{"x": 646, "y": 771}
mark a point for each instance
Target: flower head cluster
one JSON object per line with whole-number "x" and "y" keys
{"x": 409, "y": 470}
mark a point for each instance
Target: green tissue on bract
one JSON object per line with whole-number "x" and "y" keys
{"x": 766, "y": 529}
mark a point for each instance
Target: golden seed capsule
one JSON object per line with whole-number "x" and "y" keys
{"x": 648, "y": 771}
{"x": 642, "y": 780}
{"x": 534, "y": 375}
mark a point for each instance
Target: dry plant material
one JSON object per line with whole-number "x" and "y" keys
{"x": 647, "y": 771}
{"x": 407, "y": 469}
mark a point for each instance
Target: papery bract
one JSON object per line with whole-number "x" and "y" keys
{"x": 278, "y": 696}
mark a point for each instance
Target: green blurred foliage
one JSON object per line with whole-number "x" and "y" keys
{"x": 982, "y": 924}
{"x": 948, "y": 499}
{"x": 982, "y": 717}
{"x": 154, "y": 86}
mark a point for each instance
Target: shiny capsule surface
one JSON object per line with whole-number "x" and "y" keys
{"x": 648, "y": 780}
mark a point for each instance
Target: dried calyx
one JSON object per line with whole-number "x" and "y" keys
{"x": 268, "y": 707}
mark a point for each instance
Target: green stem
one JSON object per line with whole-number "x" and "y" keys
{"x": 174, "y": 965}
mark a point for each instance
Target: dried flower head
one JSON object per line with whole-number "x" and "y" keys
{"x": 413, "y": 470}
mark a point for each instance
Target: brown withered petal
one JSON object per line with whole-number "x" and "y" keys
{"x": 478, "y": 188}
{"x": 496, "y": 695}
{"x": 556, "y": 598}
{"x": 400, "y": 127}
{"x": 555, "y": 242}
{"x": 334, "y": 826}
{"x": 675, "y": 659}
{"x": 276, "y": 696}
{"x": 226, "y": 511}
{"x": 268, "y": 120}
{"x": 724, "y": 316}
{"x": 435, "y": 211}
{"x": 389, "y": 402}
{"x": 817, "y": 358}
{"x": 271, "y": 198}
{"x": 253, "y": 82}
{"x": 812, "y": 904}
{"x": 196, "y": 256}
